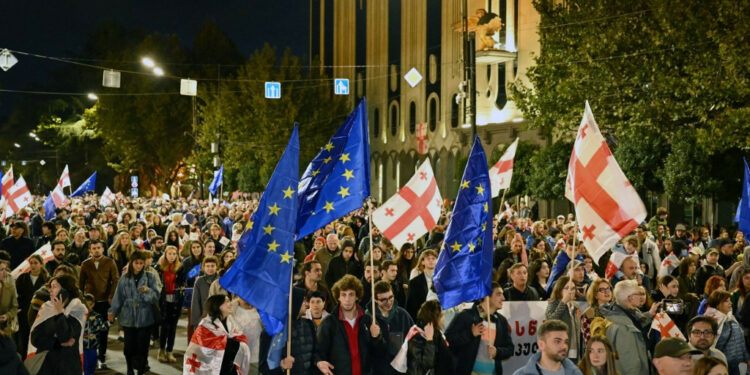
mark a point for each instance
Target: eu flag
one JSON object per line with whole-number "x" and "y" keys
{"x": 743, "y": 210}
{"x": 338, "y": 178}
{"x": 464, "y": 267}
{"x": 86, "y": 186}
{"x": 263, "y": 270}
{"x": 49, "y": 208}
{"x": 218, "y": 180}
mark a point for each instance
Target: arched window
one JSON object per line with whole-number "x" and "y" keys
{"x": 394, "y": 119}
{"x": 376, "y": 123}
{"x": 412, "y": 117}
{"x": 454, "y": 111}
{"x": 432, "y": 114}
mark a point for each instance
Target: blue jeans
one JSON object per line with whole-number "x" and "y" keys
{"x": 89, "y": 361}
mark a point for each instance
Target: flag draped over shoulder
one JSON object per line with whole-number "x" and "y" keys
{"x": 205, "y": 352}
{"x": 464, "y": 267}
{"x": 217, "y": 181}
{"x": 86, "y": 186}
{"x": 338, "y": 178}
{"x": 262, "y": 272}
{"x": 743, "y": 209}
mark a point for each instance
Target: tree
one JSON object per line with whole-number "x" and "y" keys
{"x": 546, "y": 180}
{"x": 519, "y": 184}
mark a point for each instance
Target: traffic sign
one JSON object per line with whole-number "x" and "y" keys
{"x": 134, "y": 181}
{"x": 341, "y": 86}
{"x": 7, "y": 60}
{"x": 273, "y": 90}
{"x": 134, "y": 192}
{"x": 413, "y": 77}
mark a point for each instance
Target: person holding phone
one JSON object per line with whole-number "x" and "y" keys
{"x": 137, "y": 291}
{"x": 57, "y": 332}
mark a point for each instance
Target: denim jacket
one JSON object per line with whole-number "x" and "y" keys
{"x": 135, "y": 309}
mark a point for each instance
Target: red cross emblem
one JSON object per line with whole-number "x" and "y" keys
{"x": 588, "y": 231}
{"x": 193, "y": 363}
{"x": 423, "y": 175}
{"x": 388, "y": 211}
{"x": 416, "y": 209}
{"x": 410, "y": 237}
{"x": 422, "y": 139}
{"x": 583, "y": 131}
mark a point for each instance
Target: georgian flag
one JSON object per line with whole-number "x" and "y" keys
{"x": 64, "y": 178}
{"x": 663, "y": 324}
{"x": 205, "y": 352}
{"x": 607, "y": 206}
{"x": 399, "y": 361}
{"x": 19, "y": 196}
{"x": 107, "y": 197}
{"x": 5, "y": 184}
{"x": 45, "y": 251}
{"x": 413, "y": 211}
{"x": 59, "y": 197}
{"x": 502, "y": 171}
{"x": 615, "y": 262}
{"x": 668, "y": 265}
{"x": 75, "y": 309}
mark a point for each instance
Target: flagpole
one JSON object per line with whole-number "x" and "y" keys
{"x": 289, "y": 319}
{"x": 372, "y": 262}
{"x": 502, "y": 200}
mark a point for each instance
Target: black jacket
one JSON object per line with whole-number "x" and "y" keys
{"x": 424, "y": 356}
{"x": 10, "y": 362}
{"x": 48, "y": 335}
{"x": 19, "y": 249}
{"x": 464, "y": 345}
{"x": 333, "y": 345}
{"x": 394, "y": 329}
{"x": 338, "y": 267}
{"x": 26, "y": 289}
{"x": 416, "y": 294}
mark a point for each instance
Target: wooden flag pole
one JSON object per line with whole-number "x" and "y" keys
{"x": 289, "y": 319}
{"x": 502, "y": 200}
{"x": 372, "y": 262}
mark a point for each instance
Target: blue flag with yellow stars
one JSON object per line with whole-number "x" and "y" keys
{"x": 464, "y": 267}
{"x": 262, "y": 272}
{"x": 743, "y": 209}
{"x": 338, "y": 178}
{"x": 86, "y": 186}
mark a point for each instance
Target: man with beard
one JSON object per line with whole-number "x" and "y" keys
{"x": 313, "y": 273}
{"x": 701, "y": 332}
{"x": 58, "y": 250}
{"x": 552, "y": 357}
{"x": 157, "y": 247}
{"x": 99, "y": 276}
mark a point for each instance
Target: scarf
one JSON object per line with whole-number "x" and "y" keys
{"x": 75, "y": 309}
{"x": 205, "y": 352}
{"x": 720, "y": 318}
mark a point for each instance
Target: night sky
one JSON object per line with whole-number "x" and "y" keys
{"x": 60, "y": 27}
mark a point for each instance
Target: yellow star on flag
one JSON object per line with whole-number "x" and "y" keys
{"x": 484, "y": 227}
{"x": 486, "y": 207}
{"x": 343, "y": 192}
{"x": 479, "y": 241}
{"x": 471, "y": 247}
{"x": 328, "y": 207}
{"x": 273, "y": 246}
{"x": 268, "y": 229}
{"x": 274, "y": 209}
{"x": 288, "y": 192}
{"x": 464, "y": 184}
{"x": 315, "y": 172}
{"x": 328, "y": 146}
{"x": 456, "y": 246}
{"x": 344, "y": 158}
{"x": 480, "y": 189}
{"x": 348, "y": 173}
{"x": 249, "y": 225}
{"x": 326, "y": 160}
{"x": 285, "y": 257}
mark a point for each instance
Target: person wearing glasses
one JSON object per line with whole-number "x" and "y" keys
{"x": 598, "y": 294}
{"x": 701, "y": 332}
{"x": 394, "y": 324}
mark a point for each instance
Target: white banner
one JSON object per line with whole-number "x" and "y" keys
{"x": 524, "y": 319}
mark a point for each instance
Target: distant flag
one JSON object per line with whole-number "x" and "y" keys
{"x": 49, "y": 208}
{"x": 413, "y": 210}
{"x": 502, "y": 171}
{"x": 19, "y": 196}
{"x": 108, "y": 197}
{"x": 743, "y": 209}
{"x": 45, "y": 252}
{"x": 669, "y": 264}
{"x": 86, "y": 186}
{"x": 338, "y": 178}
{"x": 217, "y": 181}
{"x": 464, "y": 267}
{"x": 263, "y": 270}
{"x": 606, "y": 204}
{"x": 64, "y": 180}
{"x": 58, "y": 196}
{"x": 5, "y": 185}
{"x": 665, "y": 326}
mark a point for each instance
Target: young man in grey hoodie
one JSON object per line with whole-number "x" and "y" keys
{"x": 551, "y": 359}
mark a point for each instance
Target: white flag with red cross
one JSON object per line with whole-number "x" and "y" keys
{"x": 413, "y": 211}
{"x": 107, "y": 197}
{"x": 606, "y": 204}
{"x": 19, "y": 196}
{"x": 615, "y": 262}
{"x": 59, "y": 197}
{"x": 666, "y": 326}
{"x": 502, "y": 171}
{"x": 45, "y": 252}
{"x": 64, "y": 180}
{"x": 5, "y": 184}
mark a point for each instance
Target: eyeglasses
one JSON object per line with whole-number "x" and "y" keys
{"x": 386, "y": 299}
{"x": 702, "y": 333}
{"x": 604, "y": 290}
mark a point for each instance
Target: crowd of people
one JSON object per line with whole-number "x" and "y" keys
{"x": 135, "y": 268}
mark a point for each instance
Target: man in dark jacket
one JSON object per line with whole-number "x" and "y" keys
{"x": 347, "y": 337}
{"x": 18, "y": 244}
{"x": 394, "y": 324}
{"x": 468, "y": 335}
{"x": 389, "y": 272}
{"x": 304, "y": 342}
{"x": 520, "y": 290}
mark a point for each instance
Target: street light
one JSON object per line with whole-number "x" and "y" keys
{"x": 158, "y": 71}
{"x": 17, "y": 145}
{"x": 148, "y": 62}
{"x": 32, "y": 135}
{"x": 92, "y": 96}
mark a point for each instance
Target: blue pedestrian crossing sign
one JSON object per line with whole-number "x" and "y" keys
{"x": 273, "y": 90}
{"x": 341, "y": 86}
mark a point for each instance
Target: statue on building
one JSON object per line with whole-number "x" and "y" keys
{"x": 485, "y": 24}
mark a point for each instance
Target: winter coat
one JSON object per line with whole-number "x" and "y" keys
{"x": 730, "y": 339}
{"x": 135, "y": 309}
{"x": 48, "y": 335}
{"x": 394, "y": 329}
{"x": 333, "y": 346}
{"x": 424, "y": 356}
{"x": 416, "y": 294}
{"x": 531, "y": 367}
{"x": 199, "y": 297}
{"x": 627, "y": 340}
{"x": 338, "y": 267}
{"x": 9, "y": 304}
{"x": 740, "y": 270}
{"x": 556, "y": 309}
{"x": 464, "y": 345}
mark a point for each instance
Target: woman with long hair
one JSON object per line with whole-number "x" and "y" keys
{"x": 121, "y": 249}
{"x": 136, "y": 293}
{"x": 26, "y": 285}
{"x": 170, "y": 300}
{"x": 158, "y": 225}
{"x": 686, "y": 276}
{"x": 538, "y": 275}
{"x": 406, "y": 261}
{"x": 599, "y": 357}
{"x": 428, "y": 351}
{"x": 561, "y": 306}
{"x": 599, "y": 293}
{"x": 710, "y": 366}
{"x": 58, "y": 329}
{"x": 193, "y": 259}
{"x": 730, "y": 338}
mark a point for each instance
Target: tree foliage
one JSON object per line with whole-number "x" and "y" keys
{"x": 519, "y": 184}
{"x": 546, "y": 180}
